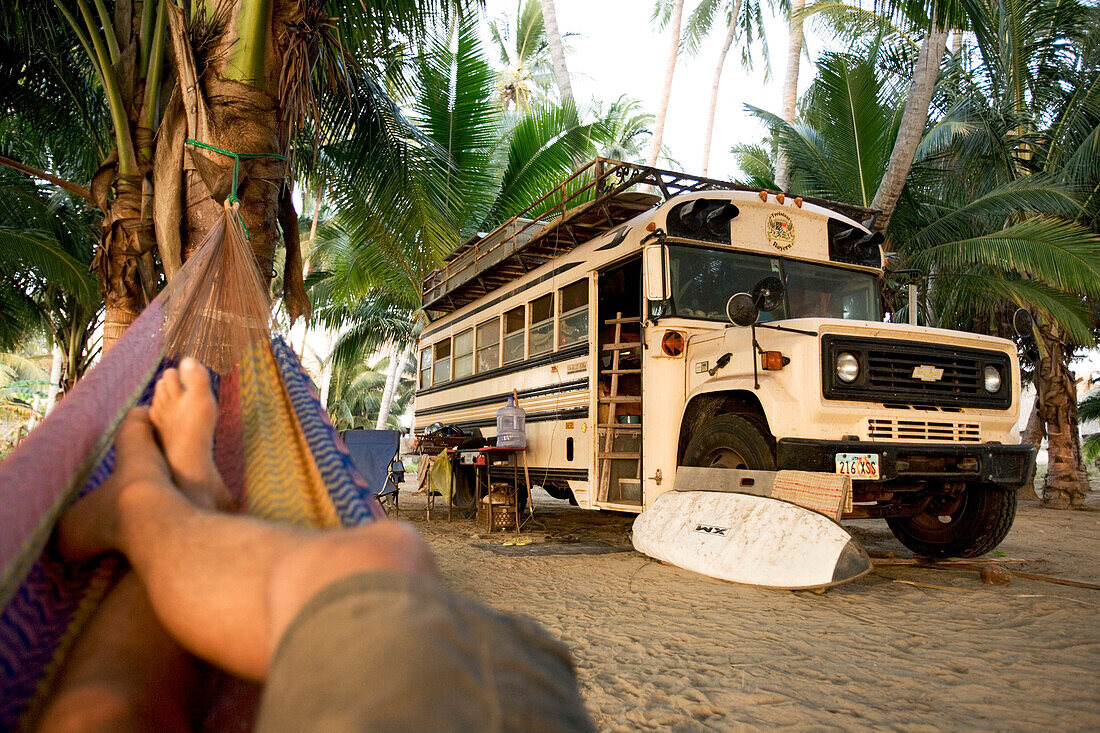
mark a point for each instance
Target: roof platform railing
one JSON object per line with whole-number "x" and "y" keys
{"x": 594, "y": 200}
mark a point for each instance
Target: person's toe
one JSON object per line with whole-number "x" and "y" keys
{"x": 169, "y": 384}
{"x": 136, "y": 432}
{"x": 193, "y": 376}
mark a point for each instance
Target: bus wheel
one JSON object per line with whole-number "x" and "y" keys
{"x": 730, "y": 441}
{"x": 967, "y": 525}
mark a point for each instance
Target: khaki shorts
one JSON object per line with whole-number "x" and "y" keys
{"x": 391, "y": 651}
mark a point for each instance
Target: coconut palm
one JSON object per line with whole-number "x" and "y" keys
{"x": 668, "y": 13}
{"x": 557, "y": 51}
{"x": 370, "y": 272}
{"x": 790, "y": 86}
{"x": 47, "y": 241}
{"x": 740, "y": 18}
{"x": 243, "y": 77}
{"x": 524, "y": 49}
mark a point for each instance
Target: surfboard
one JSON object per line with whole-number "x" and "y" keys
{"x": 749, "y": 539}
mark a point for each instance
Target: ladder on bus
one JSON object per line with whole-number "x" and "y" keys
{"x": 619, "y": 441}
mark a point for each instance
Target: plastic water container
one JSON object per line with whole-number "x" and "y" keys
{"x": 511, "y": 426}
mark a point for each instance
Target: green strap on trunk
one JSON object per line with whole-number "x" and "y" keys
{"x": 237, "y": 157}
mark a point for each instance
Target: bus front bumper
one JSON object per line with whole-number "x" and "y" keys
{"x": 1009, "y": 466}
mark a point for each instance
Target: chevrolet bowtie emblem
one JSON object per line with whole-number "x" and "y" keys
{"x": 926, "y": 373}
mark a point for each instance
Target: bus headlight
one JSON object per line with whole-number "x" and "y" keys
{"x": 992, "y": 379}
{"x": 847, "y": 367}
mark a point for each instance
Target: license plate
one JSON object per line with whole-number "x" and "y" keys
{"x": 858, "y": 465}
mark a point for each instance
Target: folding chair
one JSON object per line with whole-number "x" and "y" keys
{"x": 389, "y": 495}
{"x": 375, "y": 455}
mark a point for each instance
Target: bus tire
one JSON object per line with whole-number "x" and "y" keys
{"x": 974, "y": 527}
{"x": 730, "y": 441}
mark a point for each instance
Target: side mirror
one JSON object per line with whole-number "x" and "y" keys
{"x": 655, "y": 264}
{"x": 1023, "y": 322}
{"x": 741, "y": 309}
{"x": 768, "y": 293}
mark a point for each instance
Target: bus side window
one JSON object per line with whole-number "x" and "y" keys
{"x": 542, "y": 325}
{"x": 442, "y": 369}
{"x": 464, "y": 354}
{"x": 513, "y": 335}
{"x": 573, "y": 326}
{"x": 426, "y": 367}
{"x": 488, "y": 345}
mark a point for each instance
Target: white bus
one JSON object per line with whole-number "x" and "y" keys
{"x": 608, "y": 310}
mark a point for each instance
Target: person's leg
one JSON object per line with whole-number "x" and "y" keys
{"x": 123, "y": 674}
{"x": 124, "y": 671}
{"x": 224, "y": 586}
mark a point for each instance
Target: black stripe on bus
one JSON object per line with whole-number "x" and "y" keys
{"x": 573, "y": 413}
{"x": 554, "y": 357}
{"x": 501, "y": 298}
{"x": 503, "y": 397}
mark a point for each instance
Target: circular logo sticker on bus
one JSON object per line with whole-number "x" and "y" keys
{"x": 779, "y": 229}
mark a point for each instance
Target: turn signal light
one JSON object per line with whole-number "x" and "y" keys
{"x": 773, "y": 360}
{"x": 672, "y": 343}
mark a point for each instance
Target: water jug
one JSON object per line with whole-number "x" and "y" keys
{"x": 511, "y": 426}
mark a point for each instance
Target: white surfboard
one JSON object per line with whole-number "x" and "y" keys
{"x": 748, "y": 539}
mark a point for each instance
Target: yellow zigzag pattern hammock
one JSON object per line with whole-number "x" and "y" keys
{"x": 275, "y": 447}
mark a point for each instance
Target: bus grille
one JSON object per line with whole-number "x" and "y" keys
{"x": 911, "y": 373}
{"x": 947, "y": 432}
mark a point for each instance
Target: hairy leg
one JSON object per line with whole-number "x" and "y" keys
{"x": 124, "y": 673}
{"x": 224, "y": 586}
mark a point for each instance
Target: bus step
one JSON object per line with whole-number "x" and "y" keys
{"x": 625, "y": 398}
{"x": 621, "y": 371}
{"x": 620, "y": 456}
{"x": 620, "y": 426}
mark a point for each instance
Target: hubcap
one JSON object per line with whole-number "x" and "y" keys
{"x": 725, "y": 458}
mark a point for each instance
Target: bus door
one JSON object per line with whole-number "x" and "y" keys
{"x": 619, "y": 385}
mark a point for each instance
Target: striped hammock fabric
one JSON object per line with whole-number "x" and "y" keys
{"x": 275, "y": 446}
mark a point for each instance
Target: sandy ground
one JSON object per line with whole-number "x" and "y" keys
{"x": 660, "y": 648}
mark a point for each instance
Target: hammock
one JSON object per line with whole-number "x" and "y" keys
{"x": 275, "y": 447}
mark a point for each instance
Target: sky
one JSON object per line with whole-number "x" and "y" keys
{"x": 617, "y": 50}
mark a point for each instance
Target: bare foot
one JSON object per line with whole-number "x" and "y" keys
{"x": 185, "y": 412}
{"x": 90, "y": 527}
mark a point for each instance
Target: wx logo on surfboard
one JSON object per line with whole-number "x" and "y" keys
{"x": 717, "y": 531}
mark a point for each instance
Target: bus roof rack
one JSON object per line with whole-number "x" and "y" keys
{"x": 594, "y": 200}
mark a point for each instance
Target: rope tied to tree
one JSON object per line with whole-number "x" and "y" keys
{"x": 231, "y": 200}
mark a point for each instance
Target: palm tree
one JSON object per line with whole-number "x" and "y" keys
{"x": 667, "y": 12}
{"x": 47, "y": 241}
{"x": 243, "y": 77}
{"x": 741, "y": 18}
{"x": 526, "y": 54}
{"x": 790, "y": 86}
{"x": 557, "y": 52}
{"x": 370, "y": 272}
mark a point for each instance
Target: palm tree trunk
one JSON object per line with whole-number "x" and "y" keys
{"x": 1032, "y": 434}
{"x": 557, "y": 53}
{"x": 709, "y": 134}
{"x": 913, "y": 121}
{"x": 55, "y": 378}
{"x": 666, "y": 91}
{"x": 790, "y": 88}
{"x": 397, "y": 368}
{"x": 1066, "y": 484}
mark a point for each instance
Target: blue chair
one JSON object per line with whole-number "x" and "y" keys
{"x": 375, "y": 455}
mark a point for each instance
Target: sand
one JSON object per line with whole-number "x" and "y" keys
{"x": 660, "y": 648}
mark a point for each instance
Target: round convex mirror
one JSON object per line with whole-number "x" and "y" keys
{"x": 741, "y": 309}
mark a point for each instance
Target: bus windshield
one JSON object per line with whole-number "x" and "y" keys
{"x": 703, "y": 280}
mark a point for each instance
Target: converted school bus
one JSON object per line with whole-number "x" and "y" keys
{"x": 605, "y": 308}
